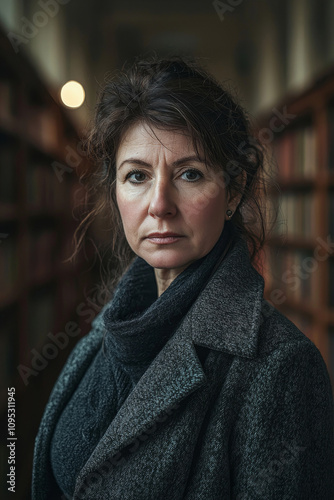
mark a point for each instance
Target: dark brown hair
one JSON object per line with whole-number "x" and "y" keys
{"x": 174, "y": 94}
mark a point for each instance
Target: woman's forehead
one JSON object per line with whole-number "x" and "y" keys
{"x": 144, "y": 139}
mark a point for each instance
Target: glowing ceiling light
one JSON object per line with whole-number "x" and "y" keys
{"x": 72, "y": 94}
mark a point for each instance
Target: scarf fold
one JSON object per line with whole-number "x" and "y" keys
{"x": 138, "y": 323}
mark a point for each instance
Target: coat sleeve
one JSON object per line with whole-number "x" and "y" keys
{"x": 282, "y": 445}
{"x": 44, "y": 486}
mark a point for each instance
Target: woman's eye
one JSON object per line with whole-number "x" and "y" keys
{"x": 136, "y": 176}
{"x": 192, "y": 175}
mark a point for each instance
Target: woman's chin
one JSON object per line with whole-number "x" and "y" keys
{"x": 167, "y": 261}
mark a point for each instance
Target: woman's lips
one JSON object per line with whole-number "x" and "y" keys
{"x": 164, "y": 238}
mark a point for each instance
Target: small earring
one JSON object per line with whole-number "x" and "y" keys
{"x": 229, "y": 213}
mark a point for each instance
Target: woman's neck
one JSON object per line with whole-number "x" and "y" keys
{"x": 164, "y": 277}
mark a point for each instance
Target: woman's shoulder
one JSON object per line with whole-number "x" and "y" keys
{"x": 275, "y": 329}
{"x": 287, "y": 377}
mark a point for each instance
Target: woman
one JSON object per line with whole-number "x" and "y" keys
{"x": 189, "y": 385}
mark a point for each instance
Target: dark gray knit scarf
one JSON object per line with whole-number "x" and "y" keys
{"x": 138, "y": 323}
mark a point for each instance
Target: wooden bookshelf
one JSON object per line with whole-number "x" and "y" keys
{"x": 40, "y": 294}
{"x": 298, "y": 261}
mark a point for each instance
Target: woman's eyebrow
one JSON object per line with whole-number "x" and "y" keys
{"x": 134, "y": 161}
{"x": 187, "y": 159}
{"x": 176, "y": 163}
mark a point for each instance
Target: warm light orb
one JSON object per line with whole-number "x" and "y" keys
{"x": 72, "y": 94}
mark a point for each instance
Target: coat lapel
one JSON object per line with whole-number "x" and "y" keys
{"x": 175, "y": 373}
{"x": 225, "y": 317}
{"x": 228, "y": 313}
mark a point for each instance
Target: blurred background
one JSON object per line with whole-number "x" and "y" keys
{"x": 277, "y": 56}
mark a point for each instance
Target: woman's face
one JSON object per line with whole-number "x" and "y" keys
{"x": 171, "y": 204}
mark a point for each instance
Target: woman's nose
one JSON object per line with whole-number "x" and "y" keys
{"x": 162, "y": 202}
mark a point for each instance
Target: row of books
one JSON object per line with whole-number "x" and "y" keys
{"x": 42, "y": 319}
{"x": 41, "y": 316}
{"x": 8, "y": 260}
{"x": 44, "y": 191}
{"x": 296, "y": 216}
{"x": 331, "y": 282}
{"x": 7, "y": 171}
{"x": 43, "y": 252}
{"x": 8, "y": 359}
{"x": 67, "y": 293}
{"x": 41, "y": 126}
{"x": 8, "y": 103}
{"x": 331, "y": 214}
{"x": 39, "y": 122}
{"x": 295, "y": 153}
{"x": 293, "y": 273}
{"x": 45, "y": 256}
{"x": 46, "y": 300}
{"x": 331, "y": 138}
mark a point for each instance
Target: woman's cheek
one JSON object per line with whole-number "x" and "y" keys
{"x": 126, "y": 207}
{"x": 208, "y": 200}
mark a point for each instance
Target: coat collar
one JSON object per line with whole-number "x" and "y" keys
{"x": 225, "y": 317}
{"x": 227, "y": 314}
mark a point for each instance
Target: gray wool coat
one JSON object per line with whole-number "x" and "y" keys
{"x": 251, "y": 421}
